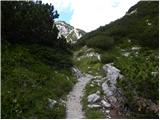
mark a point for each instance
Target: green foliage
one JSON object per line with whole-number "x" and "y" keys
{"x": 149, "y": 36}
{"x": 139, "y": 79}
{"x": 56, "y": 57}
{"x": 85, "y": 63}
{"x": 107, "y": 58}
{"x": 134, "y": 26}
{"x": 35, "y": 64}
{"x": 140, "y": 68}
{"x": 100, "y": 41}
{"x": 30, "y": 22}
{"x": 29, "y": 79}
{"x": 95, "y": 114}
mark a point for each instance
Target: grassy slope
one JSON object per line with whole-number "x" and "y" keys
{"x": 86, "y": 64}
{"x": 134, "y": 27}
{"x": 31, "y": 75}
{"x": 139, "y": 81}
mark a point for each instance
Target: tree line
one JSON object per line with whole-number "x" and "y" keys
{"x": 30, "y": 22}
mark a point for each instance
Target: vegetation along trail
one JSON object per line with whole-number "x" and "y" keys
{"x": 53, "y": 70}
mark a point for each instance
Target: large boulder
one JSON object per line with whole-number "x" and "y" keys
{"x": 112, "y": 72}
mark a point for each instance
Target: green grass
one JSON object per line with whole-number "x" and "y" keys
{"x": 95, "y": 114}
{"x": 138, "y": 80}
{"x": 92, "y": 66}
{"x": 87, "y": 64}
{"x": 28, "y": 82}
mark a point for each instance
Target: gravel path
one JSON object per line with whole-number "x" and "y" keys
{"x": 73, "y": 105}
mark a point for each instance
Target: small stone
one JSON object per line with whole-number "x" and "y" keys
{"x": 126, "y": 54}
{"x": 98, "y": 77}
{"x": 91, "y": 85}
{"x": 121, "y": 76}
{"x": 98, "y": 92}
{"x": 107, "y": 111}
{"x": 129, "y": 40}
{"x": 63, "y": 102}
{"x": 15, "y": 100}
{"x": 94, "y": 106}
{"x": 109, "y": 117}
{"x": 135, "y": 48}
{"x": 112, "y": 99}
{"x": 105, "y": 104}
{"x": 93, "y": 98}
{"x": 97, "y": 81}
{"x": 51, "y": 102}
{"x": 154, "y": 73}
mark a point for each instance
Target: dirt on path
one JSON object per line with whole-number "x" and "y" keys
{"x": 73, "y": 105}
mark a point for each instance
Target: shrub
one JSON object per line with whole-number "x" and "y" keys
{"x": 29, "y": 80}
{"x": 107, "y": 58}
{"x": 139, "y": 81}
{"x": 100, "y": 41}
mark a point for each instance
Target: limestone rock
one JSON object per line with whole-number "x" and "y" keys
{"x": 51, "y": 102}
{"x": 105, "y": 104}
{"x": 106, "y": 89}
{"x": 94, "y": 106}
{"x": 93, "y": 98}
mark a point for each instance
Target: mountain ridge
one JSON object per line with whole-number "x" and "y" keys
{"x": 71, "y": 33}
{"x": 139, "y": 24}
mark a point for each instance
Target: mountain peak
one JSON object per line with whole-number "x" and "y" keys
{"x": 71, "y": 33}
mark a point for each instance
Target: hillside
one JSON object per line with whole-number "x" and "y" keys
{"x": 130, "y": 44}
{"x": 140, "y": 25}
{"x": 51, "y": 70}
{"x": 36, "y": 65}
{"x": 69, "y": 32}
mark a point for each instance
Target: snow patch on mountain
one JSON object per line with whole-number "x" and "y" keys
{"x": 69, "y": 32}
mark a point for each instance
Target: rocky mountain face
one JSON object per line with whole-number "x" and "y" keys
{"x": 69, "y": 32}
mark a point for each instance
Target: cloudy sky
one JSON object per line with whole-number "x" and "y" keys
{"x": 90, "y": 14}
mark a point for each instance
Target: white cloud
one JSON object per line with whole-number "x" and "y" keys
{"x": 90, "y": 14}
{"x": 59, "y": 5}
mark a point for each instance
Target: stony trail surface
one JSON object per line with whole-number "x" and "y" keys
{"x": 73, "y": 105}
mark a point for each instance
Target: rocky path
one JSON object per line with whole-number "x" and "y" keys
{"x": 73, "y": 105}
{"x": 106, "y": 100}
